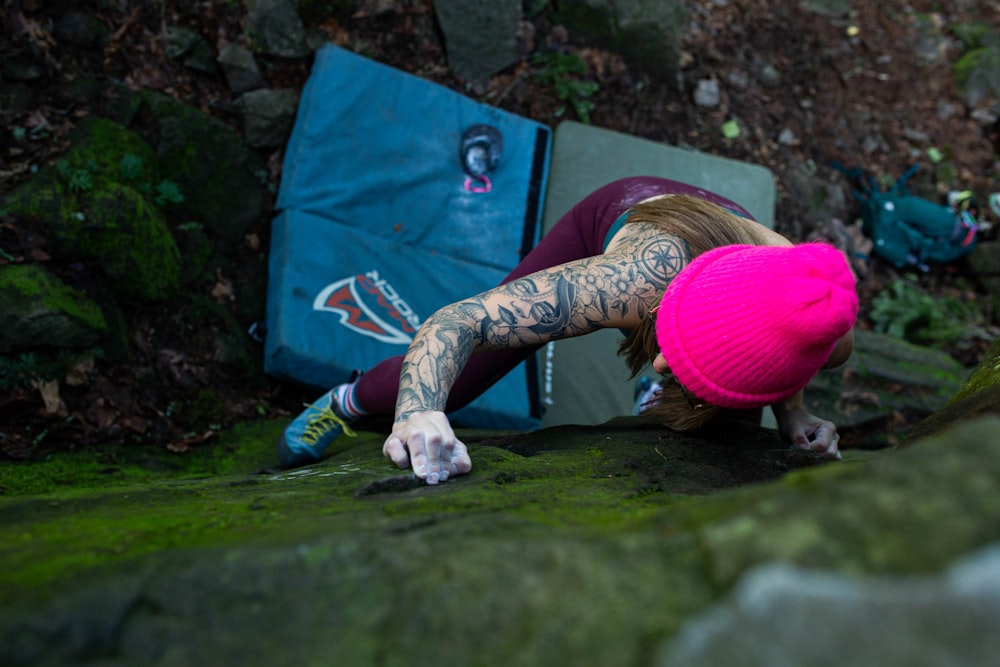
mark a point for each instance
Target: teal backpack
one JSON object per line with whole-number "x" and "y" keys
{"x": 910, "y": 232}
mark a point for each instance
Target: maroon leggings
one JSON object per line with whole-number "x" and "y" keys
{"x": 578, "y": 234}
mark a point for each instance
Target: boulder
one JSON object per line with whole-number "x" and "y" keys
{"x": 276, "y": 28}
{"x": 223, "y": 181}
{"x": 977, "y": 397}
{"x": 647, "y": 33}
{"x": 101, "y": 203}
{"x": 571, "y": 545}
{"x": 885, "y": 388}
{"x": 39, "y": 310}
{"x": 480, "y": 36}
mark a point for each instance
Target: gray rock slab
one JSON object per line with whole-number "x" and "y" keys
{"x": 787, "y": 615}
{"x": 480, "y": 36}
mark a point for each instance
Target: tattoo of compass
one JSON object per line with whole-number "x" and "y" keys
{"x": 662, "y": 259}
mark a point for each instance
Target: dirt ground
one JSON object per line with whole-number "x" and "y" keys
{"x": 874, "y": 89}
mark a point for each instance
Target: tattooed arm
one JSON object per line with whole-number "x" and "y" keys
{"x": 612, "y": 290}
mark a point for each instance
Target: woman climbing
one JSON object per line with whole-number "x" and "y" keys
{"x": 731, "y": 313}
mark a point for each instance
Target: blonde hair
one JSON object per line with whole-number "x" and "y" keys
{"x": 702, "y": 226}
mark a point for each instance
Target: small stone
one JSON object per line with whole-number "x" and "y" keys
{"x": 984, "y": 116}
{"x": 268, "y": 116}
{"x": 769, "y": 76}
{"x": 738, "y": 79}
{"x": 787, "y": 138}
{"x": 916, "y": 136}
{"x": 707, "y": 94}
{"x": 240, "y": 68}
{"x": 945, "y": 110}
{"x": 870, "y": 144}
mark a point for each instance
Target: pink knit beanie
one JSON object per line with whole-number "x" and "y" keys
{"x": 747, "y": 326}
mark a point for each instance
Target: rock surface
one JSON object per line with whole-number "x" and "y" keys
{"x": 572, "y": 545}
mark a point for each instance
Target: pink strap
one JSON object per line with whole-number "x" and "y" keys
{"x": 485, "y": 187}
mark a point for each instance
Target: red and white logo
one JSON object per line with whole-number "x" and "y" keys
{"x": 370, "y": 306}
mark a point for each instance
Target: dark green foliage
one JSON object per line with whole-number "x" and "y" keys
{"x": 168, "y": 191}
{"x": 978, "y": 70}
{"x": 563, "y": 71}
{"x": 18, "y": 372}
{"x": 906, "y": 311}
{"x": 78, "y": 179}
{"x": 131, "y": 167}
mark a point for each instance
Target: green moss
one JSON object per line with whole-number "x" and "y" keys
{"x": 115, "y": 226}
{"x": 986, "y": 375}
{"x": 37, "y": 284}
{"x": 130, "y": 239}
{"x": 99, "y": 203}
{"x": 100, "y": 145}
{"x": 73, "y": 515}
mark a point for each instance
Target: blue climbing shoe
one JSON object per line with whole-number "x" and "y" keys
{"x": 312, "y": 432}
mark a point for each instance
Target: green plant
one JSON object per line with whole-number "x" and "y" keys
{"x": 168, "y": 191}
{"x": 904, "y": 310}
{"x": 261, "y": 175}
{"x": 562, "y": 71}
{"x": 978, "y": 70}
{"x": 77, "y": 179}
{"x": 18, "y": 371}
{"x": 131, "y": 167}
{"x": 81, "y": 179}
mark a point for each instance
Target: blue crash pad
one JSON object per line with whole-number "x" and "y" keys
{"x": 376, "y": 227}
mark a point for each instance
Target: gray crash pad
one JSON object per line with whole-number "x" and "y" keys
{"x": 583, "y": 381}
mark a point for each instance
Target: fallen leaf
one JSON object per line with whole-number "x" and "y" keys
{"x": 135, "y": 424}
{"x": 49, "y": 391}
{"x": 103, "y": 417}
{"x": 731, "y": 129}
{"x": 223, "y": 289}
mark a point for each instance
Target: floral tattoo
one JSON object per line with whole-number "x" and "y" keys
{"x": 612, "y": 290}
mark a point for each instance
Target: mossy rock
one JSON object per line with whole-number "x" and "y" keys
{"x": 129, "y": 238}
{"x": 98, "y": 149}
{"x": 93, "y": 202}
{"x": 646, "y": 32}
{"x": 101, "y": 146}
{"x": 40, "y": 310}
{"x": 884, "y": 380}
{"x": 133, "y": 242}
{"x": 574, "y": 545}
{"x": 986, "y": 375}
{"x": 120, "y": 103}
{"x": 113, "y": 226}
{"x": 223, "y": 182}
{"x": 978, "y": 397}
